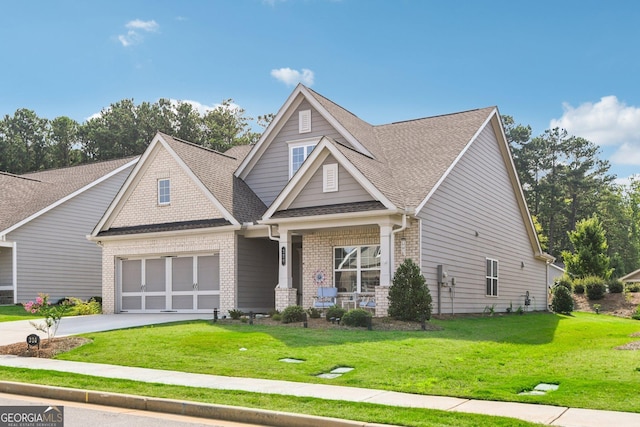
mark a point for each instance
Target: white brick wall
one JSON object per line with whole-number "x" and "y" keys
{"x": 188, "y": 202}
{"x": 222, "y": 243}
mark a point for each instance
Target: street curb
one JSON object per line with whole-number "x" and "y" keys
{"x": 179, "y": 407}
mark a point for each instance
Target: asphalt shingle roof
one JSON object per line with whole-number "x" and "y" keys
{"x": 25, "y": 195}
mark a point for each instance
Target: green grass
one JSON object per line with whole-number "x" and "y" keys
{"x": 492, "y": 358}
{"x": 365, "y": 412}
{"x": 9, "y": 313}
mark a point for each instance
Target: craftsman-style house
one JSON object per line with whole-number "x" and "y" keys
{"x": 324, "y": 199}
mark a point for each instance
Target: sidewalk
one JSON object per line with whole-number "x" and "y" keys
{"x": 543, "y": 414}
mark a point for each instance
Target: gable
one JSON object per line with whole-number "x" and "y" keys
{"x": 188, "y": 201}
{"x": 313, "y": 194}
{"x": 270, "y": 173}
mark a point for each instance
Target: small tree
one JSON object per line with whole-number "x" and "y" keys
{"x": 52, "y": 314}
{"x": 562, "y": 301}
{"x": 409, "y": 296}
{"x": 590, "y": 246}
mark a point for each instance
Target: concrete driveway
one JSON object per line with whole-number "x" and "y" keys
{"x": 13, "y": 332}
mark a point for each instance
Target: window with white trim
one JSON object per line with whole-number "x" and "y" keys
{"x": 298, "y": 153}
{"x": 164, "y": 191}
{"x": 492, "y": 277}
{"x": 356, "y": 268}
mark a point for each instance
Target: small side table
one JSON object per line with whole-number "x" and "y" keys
{"x": 348, "y": 302}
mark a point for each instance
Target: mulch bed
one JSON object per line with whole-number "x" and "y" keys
{"x": 47, "y": 349}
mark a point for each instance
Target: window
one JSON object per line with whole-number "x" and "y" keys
{"x": 492, "y": 277}
{"x": 356, "y": 268}
{"x": 298, "y": 153}
{"x": 164, "y": 191}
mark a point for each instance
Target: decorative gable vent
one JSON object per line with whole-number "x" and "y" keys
{"x": 304, "y": 121}
{"x": 330, "y": 178}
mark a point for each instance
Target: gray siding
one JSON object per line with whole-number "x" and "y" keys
{"x": 271, "y": 173}
{"x": 257, "y": 274}
{"x": 54, "y": 255}
{"x": 349, "y": 190}
{"x": 478, "y": 196}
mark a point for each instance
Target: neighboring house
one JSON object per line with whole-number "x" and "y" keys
{"x": 633, "y": 277}
{"x": 324, "y": 199}
{"x": 44, "y": 220}
{"x": 555, "y": 273}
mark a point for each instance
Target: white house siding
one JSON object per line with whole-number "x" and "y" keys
{"x": 477, "y": 197}
{"x": 188, "y": 202}
{"x": 222, "y": 243}
{"x": 349, "y": 190}
{"x": 271, "y": 173}
{"x": 257, "y": 274}
{"x": 71, "y": 267}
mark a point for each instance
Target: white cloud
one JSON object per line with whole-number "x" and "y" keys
{"x": 135, "y": 27}
{"x": 292, "y": 77}
{"x": 608, "y": 122}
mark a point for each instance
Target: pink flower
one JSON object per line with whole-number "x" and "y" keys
{"x": 39, "y": 300}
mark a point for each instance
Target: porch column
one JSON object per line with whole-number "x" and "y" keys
{"x": 286, "y": 295}
{"x": 382, "y": 291}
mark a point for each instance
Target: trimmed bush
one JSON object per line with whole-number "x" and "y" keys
{"x": 633, "y": 287}
{"x": 314, "y": 313}
{"x": 409, "y": 297}
{"x": 83, "y": 308}
{"x": 562, "y": 301}
{"x": 335, "y": 312}
{"x": 566, "y": 282}
{"x": 595, "y": 287}
{"x": 578, "y": 288}
{"x": 356, "y": 317}
{"x": 615, "y": 286}
{"x": 293, "y": 313}
{"x": 235, "y": 314}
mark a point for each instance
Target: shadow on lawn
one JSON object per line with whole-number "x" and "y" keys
{"x": 531, "y": 328}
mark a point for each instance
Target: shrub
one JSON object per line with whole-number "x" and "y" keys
{"x": 83, "y": 308}
{"x": 314, "y": 313}
{"x": 595, "y": 287}
{"x": 636, "y": 315}
{"x": 633, "y": 287}
{"x": 357, "y": 317}
{"x": 615, "y": 286}
{"x": 562, "y": 301}
{"x": 335, "y": 312}
{"x": 578, "y": 288}
{"x": 409, "y": 297}
{"x": 96, "y": 299}
{"x": 235, "y": 314}
{"x": 52, "y": 314}
{"x": 277, "y": 317}
{"x": 566, "y": 282}
{"x": 293, "y": 313}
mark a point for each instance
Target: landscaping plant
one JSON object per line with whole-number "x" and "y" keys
{"x": 409, "y": 297}
{"x": 293, "y": 313}
{"x": 335, "y": 312}
{"x": 615, "y": 286}
{"x": 52, "y": 314}
{"x": 562, "y": 301}
{"x": 357, "y": 317}
{"x": 595, "y": 287}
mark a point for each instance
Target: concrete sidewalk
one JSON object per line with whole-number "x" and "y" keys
{"x": 543, "y": 414}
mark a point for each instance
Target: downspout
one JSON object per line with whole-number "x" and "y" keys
{"x": 15, "y": 272}
{"x": 271, "y": 235}
{"x": 393, "y": 241}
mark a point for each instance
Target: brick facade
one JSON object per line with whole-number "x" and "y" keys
{"x": 285, "y": 297}
{"x": 188, "y": 202}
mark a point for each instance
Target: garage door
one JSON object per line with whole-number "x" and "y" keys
{"x": 182, "y": 284}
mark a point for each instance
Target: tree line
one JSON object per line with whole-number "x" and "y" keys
{"x": 31, "y": 143}
{"x": 562, "y": 177}
{"x": 564, "y": 182}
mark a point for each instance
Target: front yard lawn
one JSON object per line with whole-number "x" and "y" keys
{"x": 9, "y": 313}
{"x": 491, "y": 358}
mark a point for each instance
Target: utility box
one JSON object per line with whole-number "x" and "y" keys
{"x": 442, "y": 274}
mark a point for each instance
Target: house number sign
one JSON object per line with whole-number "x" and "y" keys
{"x": 284, "y": 255}
{"x": 33, "y": 340}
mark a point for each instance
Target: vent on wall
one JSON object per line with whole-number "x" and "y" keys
{"x": 304, "y": 121}
{"x": 330, "y": 178}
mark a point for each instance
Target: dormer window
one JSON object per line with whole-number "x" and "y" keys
{"x": 164, "y": 191}
{"x": 298, "y": 153}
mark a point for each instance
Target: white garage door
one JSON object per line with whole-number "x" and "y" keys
{"x": 182, "y": 284}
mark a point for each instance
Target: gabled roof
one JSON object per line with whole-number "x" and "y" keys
{"x": 211, "y": 170}
{"x": 634, "y": 276}
{"x": 27, "y": 196}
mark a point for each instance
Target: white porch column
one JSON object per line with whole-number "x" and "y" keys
{"x": 385, "y": 255}
{"x": 286, "y": 295}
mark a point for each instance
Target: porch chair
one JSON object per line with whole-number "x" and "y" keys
{"x": 368, "y": 303}
{"x": 327, "y": 297}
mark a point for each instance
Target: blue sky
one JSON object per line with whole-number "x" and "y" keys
{"x": 573, "y": 64}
